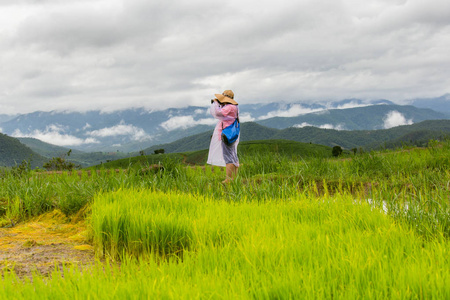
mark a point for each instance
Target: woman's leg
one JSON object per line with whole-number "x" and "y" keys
{"x": 231, "y": 171}
{"x": 230, "y": 157}
{"x": 234, "y": 171}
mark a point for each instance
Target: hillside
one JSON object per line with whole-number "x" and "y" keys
{"x": 79, "y": 158}
{"x": 328, "y": 137}
{"x": 418, "y": 138}
{"x": 283, "y": 147}
{"x": 5, "y": 118}
{"x": 249, "y": 131}
{"x": 132, "y": 130}
{"x": 246, "y": 148}
{"x": 358, "y": 118}
{"x": 260, "y": 148}
{"x": 13, "y": 152}
{"x": 441, "y": 104}
{"x": 361, "y": 138}
{"x": 46, "y": 149}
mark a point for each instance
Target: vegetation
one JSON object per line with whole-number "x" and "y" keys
{"x": 78, "y": 158}
{"x": 46, "y": 149}
{"x": 281, "y": 249}
{"x": 285, "y": 148}
{"x": 416, "y": 134}
{"x": 337, "y": 151}
{"x": 12, "y": 152}
{"x": 60, "y": 163}
{"x": 372, "y": 225}
{"x": 159, "y": 151}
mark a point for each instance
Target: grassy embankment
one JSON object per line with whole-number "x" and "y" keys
{"x": 376, "y": 225}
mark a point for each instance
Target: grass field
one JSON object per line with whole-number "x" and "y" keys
{"x": 371, "y": 225}
{"x": 289, "y": 149}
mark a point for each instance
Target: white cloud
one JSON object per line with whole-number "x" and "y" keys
{"x": 352, "y": 104}
{"x": 134, "y": 132}
{"x": 324, "y": 126}
{"x": 394, "y": 119}
{"x": 53, "y": 134}
{"x": 184, "y": 122}
{"x": 201, "y": 112}
{"x": 246, "y": 117}
{"x": 330, "y": 126}
{"x": 56, "y": 128}
{"x": 294, "y": 111}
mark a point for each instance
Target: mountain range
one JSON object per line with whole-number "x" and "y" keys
{"x": 441, "y": 104}
{"x": 415, "y": 134}
{"x": 137, "y": 129}
{"x": 13, "y": 151}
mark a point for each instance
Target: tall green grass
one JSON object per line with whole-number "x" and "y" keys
{"x": 183, "y": 246}
{"x": 414, "y": 184}
{"x": 373, "y": 225}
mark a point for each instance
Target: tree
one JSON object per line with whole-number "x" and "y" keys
{"x": 159, "y": 151}
{"x": 60, "y": 163}
{"x": 336, "y": 151}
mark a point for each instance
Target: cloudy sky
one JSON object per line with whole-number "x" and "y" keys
{"x": 113, "y": 54}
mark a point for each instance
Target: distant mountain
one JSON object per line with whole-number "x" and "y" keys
{"x": 13, "y": 152}
{"x": 128, "y": 130}
{"x": 79, "y": 158}
{"x": 329, "y": 137}
{"x": 133, "y": 130}
{"x": 262, "y": 111}
{"x": 358, "y": 118}
{"x": 5, "y": 118}
{"x": 441, "y": 104}
{"x": 350, "y": 103}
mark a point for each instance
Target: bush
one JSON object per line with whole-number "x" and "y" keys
{"x": 60, "y": 164}
{"x": 336, "y": 151}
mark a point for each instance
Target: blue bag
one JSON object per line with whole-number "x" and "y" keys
{"x": 231, "y": 132}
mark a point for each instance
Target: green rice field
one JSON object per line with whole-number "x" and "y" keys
{"x": 291, "y": 226}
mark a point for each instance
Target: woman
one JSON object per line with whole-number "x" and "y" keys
{"x": 224, "y": 108}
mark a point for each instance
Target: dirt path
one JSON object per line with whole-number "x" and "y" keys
{"x": 42, "y": 243}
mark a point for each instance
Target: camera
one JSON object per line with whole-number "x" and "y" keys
{"x": 212, "y": 100}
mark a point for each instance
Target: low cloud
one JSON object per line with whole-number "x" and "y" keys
{"x": 185, "y": 122}
{"x": 201, "y": 112}
{"x": 324, "y": 126}
{"x": 294, "y": 111}
{"x": 54, "y": 134}
{"x": 352, "y": 104}
{"x": 134, "y": 132}
{"x": 394, "y": 119}
{"x": 246, "y": 117}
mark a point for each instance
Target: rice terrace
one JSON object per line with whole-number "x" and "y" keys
{"x": 297, "y": 223}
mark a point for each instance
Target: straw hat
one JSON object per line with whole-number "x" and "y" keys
{"x": 226, "y": 97}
